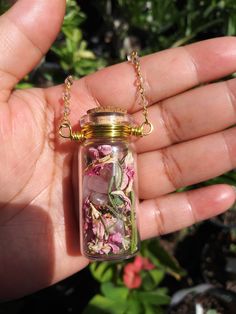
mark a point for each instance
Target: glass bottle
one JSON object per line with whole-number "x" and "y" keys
{"x": 108, "y": 197}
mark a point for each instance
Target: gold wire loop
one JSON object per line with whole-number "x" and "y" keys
{"x": 63, "y": 127}
{"x": 65, "y": 131}
{"x": 147, "y": 128}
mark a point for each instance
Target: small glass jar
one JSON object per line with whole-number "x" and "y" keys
{"x": 108, "y": 197}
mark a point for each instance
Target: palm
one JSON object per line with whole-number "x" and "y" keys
{"x": 190, "y": 143}
{"x": 35, "y": 192}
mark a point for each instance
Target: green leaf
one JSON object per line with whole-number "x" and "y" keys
{"x": 160, "y": 257}
{"x": 212, "y": 312}
{"x": 113, "y": 292}
{"x": 117, "y": 200}
{"x": 102, "y": 271}
{"x": 134, "y": 232}
{"x": 152, "y": 278}
{"x": 148, "y": 308}
{"x": 86, "y": 54}
{"x": 24, "y": 85}
{"x": 118, "y": 176}
{"x": 154, "y": 297}
{"x": 157, "y": 275}
{"x": 134, "y": 306}
{"x": 101, "y": 305}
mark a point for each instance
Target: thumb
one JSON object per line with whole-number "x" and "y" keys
{"x": 27, "y": 31}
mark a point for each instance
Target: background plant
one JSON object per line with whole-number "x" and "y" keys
{"x": 99, "y": 33}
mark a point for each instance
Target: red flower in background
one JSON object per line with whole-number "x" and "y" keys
{"x": 131, "y": 276}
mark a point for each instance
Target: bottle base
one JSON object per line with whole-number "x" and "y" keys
{"x": 109, "y": 258}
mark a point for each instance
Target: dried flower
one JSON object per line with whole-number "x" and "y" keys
{"x": 116, "y": 237}
{"x": 126, "y": 200}
{"x": 93, "y": 153}
{"x": 107, "y": 207}
{"x": 98, "y": 229}
{"x": 105, "y": 149}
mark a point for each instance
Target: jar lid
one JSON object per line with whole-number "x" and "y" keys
{"x": 107, "y": 122}
{"x": 106, "y": 115}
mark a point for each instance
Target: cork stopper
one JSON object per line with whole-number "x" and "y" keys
{"x": 106, "y": 109}
{"x": 106, "y": 115}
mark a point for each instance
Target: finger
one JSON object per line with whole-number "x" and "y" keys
{"x": 27, "y": 31}
{"x": 166, "y": 73}
{"x": 179, "y": 210}
{"x": 192, "y": 114}
{"x": 186, "y": 163}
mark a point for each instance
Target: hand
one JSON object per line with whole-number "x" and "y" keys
{"x": 191, "y": 142}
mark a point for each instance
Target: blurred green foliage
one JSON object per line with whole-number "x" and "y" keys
{"x": 4, "y": 6}
{"x": 116, "y": 298}
{"x": 71, "y": 49}
{"x": 173, "y": 22}
{"x": 96, "y": 33}
{"x": 155, "y": 25}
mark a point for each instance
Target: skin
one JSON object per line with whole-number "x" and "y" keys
{"x": 193, "y": 140}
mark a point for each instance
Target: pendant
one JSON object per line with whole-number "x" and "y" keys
{"x": 107, "y": 188}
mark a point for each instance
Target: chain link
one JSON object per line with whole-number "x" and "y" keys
{"x": 65, "y": 129}
{"x": 66, "y": 98}
{"x": 135, "y": 60}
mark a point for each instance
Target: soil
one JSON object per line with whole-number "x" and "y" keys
{"x": 208, "y": 302}
{"x": 68, "y": 296}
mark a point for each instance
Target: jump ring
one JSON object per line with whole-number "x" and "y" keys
{"x": 148, "y": 126}
{"x": 63, "y": 126}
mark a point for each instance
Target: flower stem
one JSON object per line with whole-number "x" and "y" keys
{"x": 134, "y": 235}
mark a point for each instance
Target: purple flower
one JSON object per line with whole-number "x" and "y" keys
{"x": 93, "y": 153}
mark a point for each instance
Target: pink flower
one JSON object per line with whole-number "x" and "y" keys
{"x": 93, "y": 153}
{"x": 131, "y": 276}
{"x": 116, "y": 237}
{"x": 98, "y": 229}
{"x": 142, "y": 263}
{"x": 115, "y": 248}
{"x": 138, "y": 263}
{"x": 94, "y": 170}
{"x": 147, "y": 265}
{"x": 129, "y": 170}
{"x": 128, "y": 178}
{"x": 105, "y": 149}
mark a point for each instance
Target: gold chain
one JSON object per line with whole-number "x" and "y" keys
{"x": 65, "y": 129}
{"x": 134, "y": 59}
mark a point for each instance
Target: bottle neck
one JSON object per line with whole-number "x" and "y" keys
{"x": 107, "y": 131}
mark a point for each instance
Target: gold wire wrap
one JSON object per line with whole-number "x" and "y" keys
{"x": 100, "y": 131}
{"x": 111, "y": 131}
